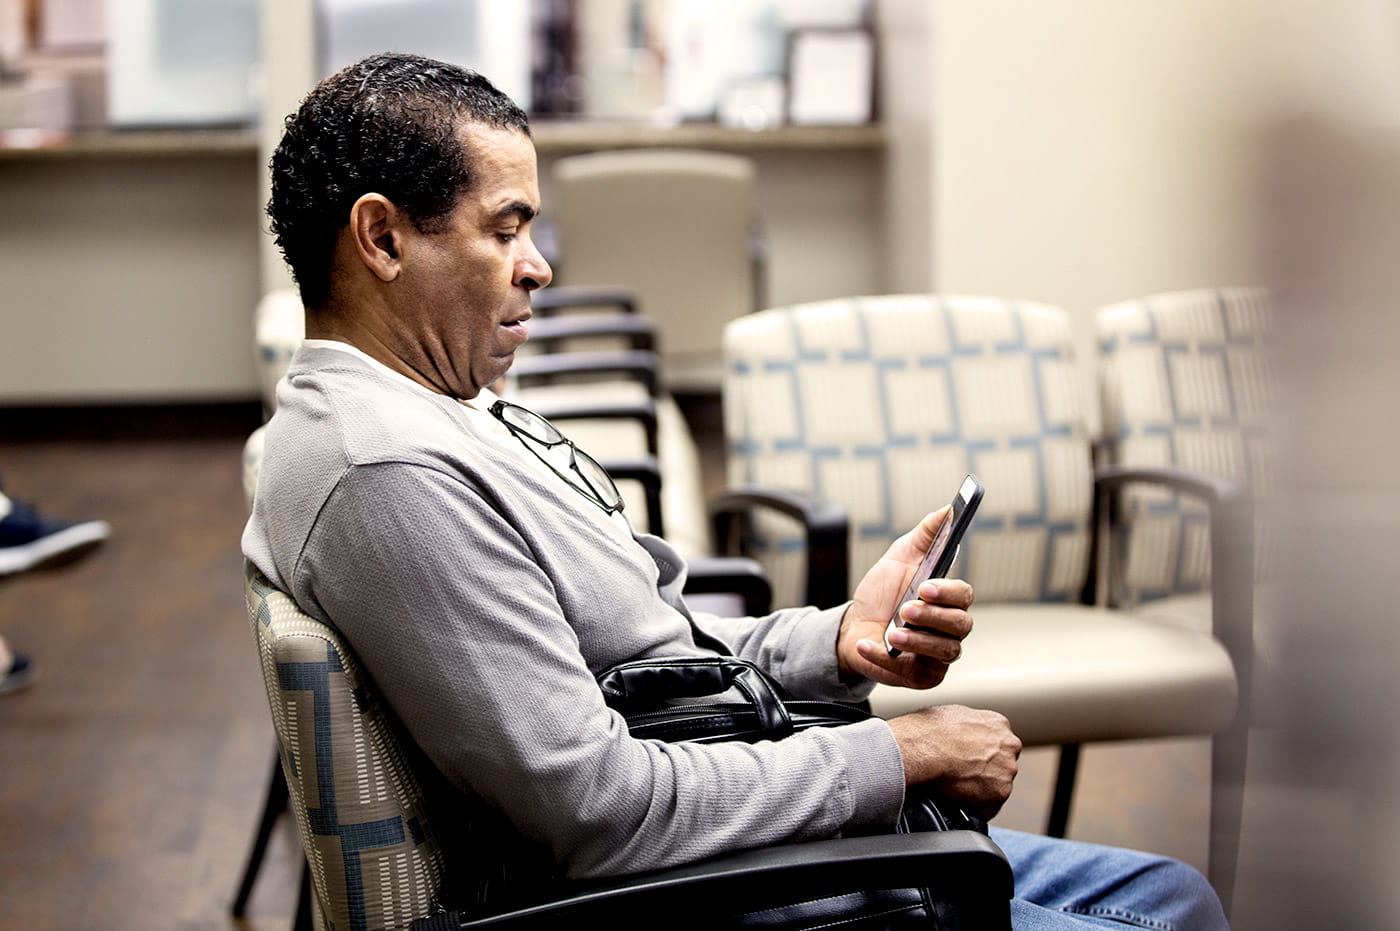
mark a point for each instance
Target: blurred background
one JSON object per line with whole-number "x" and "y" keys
{"x": 1077, "y": 153}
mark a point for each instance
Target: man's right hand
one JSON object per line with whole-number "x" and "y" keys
{"x": 968, "y": 755}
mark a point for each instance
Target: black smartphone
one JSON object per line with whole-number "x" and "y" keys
{"x": 944, "y": 551}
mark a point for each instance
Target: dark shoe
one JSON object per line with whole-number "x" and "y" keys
{"x": 29, "y": 539}
{"x": 20, "y": 674}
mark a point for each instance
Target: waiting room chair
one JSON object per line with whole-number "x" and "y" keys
{"x": 376, "y": 861}
{"x": 881, "y": 404}
{"x": 676, "y": 227}
{"x": 1187, "y": 383}
{"x": 592, "y": 366}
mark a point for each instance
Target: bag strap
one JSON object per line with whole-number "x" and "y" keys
{"x": 661, "y": 678}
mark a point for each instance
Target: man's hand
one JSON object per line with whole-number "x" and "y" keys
{"x": 970, "y": 756}
{"x": 941, "y": 610}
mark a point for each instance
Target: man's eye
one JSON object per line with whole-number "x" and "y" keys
{"x": 507, "y": 237}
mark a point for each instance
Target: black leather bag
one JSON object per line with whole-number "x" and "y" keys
{"x": 680, "y": 699}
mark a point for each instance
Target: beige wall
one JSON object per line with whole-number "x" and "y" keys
{"x": 288, "y": 31}
{"x": 1077, "y": 153}
{"x": 1095, "y": 151}
{"x": 906, "y": 35}
{"x": 127, "y": 279}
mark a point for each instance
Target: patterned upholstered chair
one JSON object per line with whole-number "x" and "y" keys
{"x": 374, "y": 862}
{"x": 882, "y": 404}
{"x": 1186, "y": 383}
{"x": 374, "y": 856}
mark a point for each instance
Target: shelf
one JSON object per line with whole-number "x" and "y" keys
{"x": 146, "y": 143}
{"x": 559, "y": 136}
{"x": 551, "y": 137}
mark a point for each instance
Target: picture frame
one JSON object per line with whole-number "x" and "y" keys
{"x": 831, "y": 77}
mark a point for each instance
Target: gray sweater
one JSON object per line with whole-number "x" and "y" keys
{"x": 483, "y": 594}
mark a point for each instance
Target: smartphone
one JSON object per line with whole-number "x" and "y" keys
{"x": 944, "y": 550}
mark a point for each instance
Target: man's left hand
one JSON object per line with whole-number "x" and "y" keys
{"x": 941, "y": 613}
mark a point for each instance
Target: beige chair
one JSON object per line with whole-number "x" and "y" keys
{"x": 882, "y": 404}
{"x": 374, "y": 851}
{"x": 677, "y": 228}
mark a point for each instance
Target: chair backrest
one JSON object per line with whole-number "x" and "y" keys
{"x": 883, "y": 403}
{"x": 1185, "y": 381}
{"x": 674, "y": 226}
{"x": 279, "y": 326}
{"x": 375, "y": 862}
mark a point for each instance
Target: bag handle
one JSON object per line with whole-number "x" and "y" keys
{"x": 662, "y": 678}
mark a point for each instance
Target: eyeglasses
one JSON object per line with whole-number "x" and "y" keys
{"x": 584, "y": 472}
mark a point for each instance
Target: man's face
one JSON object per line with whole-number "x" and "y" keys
{"x": 466, "y": 289}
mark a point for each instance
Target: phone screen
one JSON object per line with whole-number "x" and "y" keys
{"x": 939, "y": 558}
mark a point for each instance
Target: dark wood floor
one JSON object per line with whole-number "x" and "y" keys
{"x": 133, "y": 770}
{"x": 134, "y": 767}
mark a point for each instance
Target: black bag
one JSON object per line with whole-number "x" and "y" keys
{"x": 656, "y": 696}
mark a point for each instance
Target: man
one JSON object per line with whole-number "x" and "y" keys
{"x": 482, "y": 570}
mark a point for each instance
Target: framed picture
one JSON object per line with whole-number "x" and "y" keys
{"x": 831, "y": 77}
{"x": 754, "y": 103}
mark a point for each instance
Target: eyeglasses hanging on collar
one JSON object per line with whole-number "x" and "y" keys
{"x": 585, "y": 474}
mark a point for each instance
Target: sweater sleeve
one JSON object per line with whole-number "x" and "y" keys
{"x": 463, "y": 631}
{"x": 797, "y": 646}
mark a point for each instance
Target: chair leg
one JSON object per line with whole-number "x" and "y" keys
{"x": 1228, "y": 752}
{"x": 274, "y": 806}
{"x": 303, "y": 921}
{"x": 1065, "y": 773}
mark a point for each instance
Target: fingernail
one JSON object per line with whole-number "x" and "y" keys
{"x": 929, "y": 591}
{"x": 899, "y": 637}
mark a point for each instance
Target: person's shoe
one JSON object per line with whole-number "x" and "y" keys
{"x": 20, "y": 675}
{"x": 29, "y": 539}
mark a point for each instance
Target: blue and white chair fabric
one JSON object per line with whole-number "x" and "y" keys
{"x": 884, "y": 403}
{"x": 374, "y": 860}
{"x": 1187, "y": 381}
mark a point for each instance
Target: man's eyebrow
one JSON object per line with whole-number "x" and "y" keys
{"x": 519, "y": 209}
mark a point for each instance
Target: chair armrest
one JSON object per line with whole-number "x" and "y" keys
{"x": 639, "y": 331}
{"x": 545, "y": 303}
{"x": 730, "y": 575}
{"x": 824, "y": 525}
{"x": 638, "y": 363}
{"x": 962, "y": 862}
{"x": 1231, "y": 549}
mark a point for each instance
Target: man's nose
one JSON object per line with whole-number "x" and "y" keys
{"x": 532, "y": 272}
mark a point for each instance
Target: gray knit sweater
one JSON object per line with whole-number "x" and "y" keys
{"x": 483, "y": 594}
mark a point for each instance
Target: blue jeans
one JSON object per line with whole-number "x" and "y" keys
{"x": 1063, "y": 884}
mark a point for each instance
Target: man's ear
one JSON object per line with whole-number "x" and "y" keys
{"x": 376, "y": 227}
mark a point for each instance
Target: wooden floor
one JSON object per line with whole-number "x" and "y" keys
{"x": 134, "y": 768}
